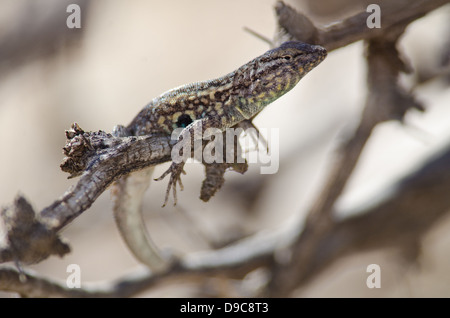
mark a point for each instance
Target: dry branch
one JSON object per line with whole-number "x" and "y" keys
{"x": 101, "y": 158}
{"x": 386, "y": 100}
{"x": 295, "y": 25}
{"x": 419, "y": 201}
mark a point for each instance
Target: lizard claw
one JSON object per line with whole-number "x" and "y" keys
{"x": 175, "y": 171}
{"x": 254, "y": 134}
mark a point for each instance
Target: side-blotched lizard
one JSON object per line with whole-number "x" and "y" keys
{"x": 227, "y": 101}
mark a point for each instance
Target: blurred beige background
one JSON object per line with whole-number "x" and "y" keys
{"x": 131, "y": 52}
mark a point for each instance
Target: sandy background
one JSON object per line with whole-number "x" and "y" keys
{"x": 131, "y": 53}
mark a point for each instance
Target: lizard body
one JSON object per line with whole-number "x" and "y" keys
{"x": 234, "y": 97}
{"x": 229, "y": 100}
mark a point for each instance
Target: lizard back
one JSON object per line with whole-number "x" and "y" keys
{"x": 234, "y": 97}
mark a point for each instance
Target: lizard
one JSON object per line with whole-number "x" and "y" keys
{"x": 227, "y": 101}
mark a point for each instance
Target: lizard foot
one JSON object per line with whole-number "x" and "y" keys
{"x": 175, "y": 171}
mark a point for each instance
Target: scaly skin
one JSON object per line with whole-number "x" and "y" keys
{"x": 229, "y": 100}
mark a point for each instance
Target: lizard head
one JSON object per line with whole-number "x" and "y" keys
{"x": 281, "y": 68}
{"x": 276, "y": 72}
{"x": 297, "y": 57}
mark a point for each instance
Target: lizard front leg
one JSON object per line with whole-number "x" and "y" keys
{"x": 175, "y": 171}
{"x": 185, "y": 145}
{"x": 198, "y": 130}
{"x": 215, "y": 171}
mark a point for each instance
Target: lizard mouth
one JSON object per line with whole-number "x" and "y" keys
{"x": 321, "y": 51}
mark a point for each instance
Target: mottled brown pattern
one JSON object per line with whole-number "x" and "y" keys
{"x": 232, "y": 98}
{"x": 227, "y": 101}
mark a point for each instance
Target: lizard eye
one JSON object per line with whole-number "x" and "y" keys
{"x": 287, "y": 57}
{"x": 184, "y": 121}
